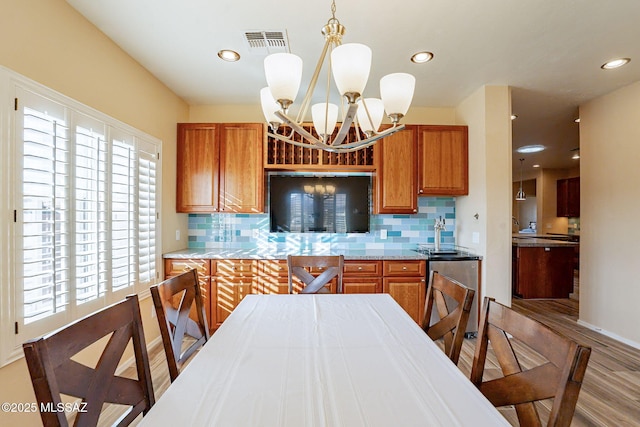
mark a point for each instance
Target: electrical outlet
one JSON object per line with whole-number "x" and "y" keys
{"x": 475, "y": 237}
{"x": 256, "y": 233}
{"x": 383, "y": 234}
{"x": 177, "y": 234}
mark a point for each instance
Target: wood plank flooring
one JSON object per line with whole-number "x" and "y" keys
{"x": 610, "y": 394}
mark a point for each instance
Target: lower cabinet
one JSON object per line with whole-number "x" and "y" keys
{"x": 405, "y": 281}
{"x": 224, "y": 283}
{"x": 362, "y": 277}
{"x": 233, "y": 280}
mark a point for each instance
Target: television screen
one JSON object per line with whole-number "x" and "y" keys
{"x": 318, "y": 204}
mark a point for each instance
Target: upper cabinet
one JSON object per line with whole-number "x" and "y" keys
{"x": 443, "y": 160}
{"x": 220, "y": 168}
{"x": 395, "y": 184}
{"x": 568, "y": 197}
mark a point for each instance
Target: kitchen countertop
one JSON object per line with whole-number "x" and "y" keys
{"x": 281, "y": 253}
{"x": 540, "y": 242}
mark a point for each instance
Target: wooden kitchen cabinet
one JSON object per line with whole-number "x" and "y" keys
{"x": 175, "y": 267}
{"x": 234, "y": 279}
{"x": 405, "y": 281}
{"x": 443, "y": 160}
{"x": 220, "y": 168}
{"x": 362, "y": 277}
{"x": 568, "y": 197}
{"x": 198, "y": 157}
{"x": 395, "y": 182}
{"x": 543, "y": 272}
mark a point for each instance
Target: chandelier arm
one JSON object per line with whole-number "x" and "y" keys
{"x": 366, "y": 142}
{"x": 291, "y": 141}
{"x": 304, "y": 107}
{"x": 346, "y": 124}
{"x": 295, "y": 127}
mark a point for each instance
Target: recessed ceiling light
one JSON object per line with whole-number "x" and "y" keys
{"x": 514, "y": 116}
{"x": 530, "y": 148}
{"x": 536, "y": 166}
{"x": 615, "y": 63}
{"x": 228, "y": 55}
{"x": 422, "y": 57}
{"x": 577, "y": 120}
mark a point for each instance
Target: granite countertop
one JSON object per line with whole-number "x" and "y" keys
{"x": 281, "y": 253}
{"x": 540, "y": 242}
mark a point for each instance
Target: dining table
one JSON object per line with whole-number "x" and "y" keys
{"x": 321, "y": 360}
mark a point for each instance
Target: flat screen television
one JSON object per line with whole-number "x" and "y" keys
{"x": 319, "y": 204}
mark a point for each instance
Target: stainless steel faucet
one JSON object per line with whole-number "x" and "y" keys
{"x": 438, "y": 226}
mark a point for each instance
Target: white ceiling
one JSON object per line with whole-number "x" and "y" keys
{"x": 548, "y": 51}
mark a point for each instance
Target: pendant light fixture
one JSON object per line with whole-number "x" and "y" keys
{"x": 520, "y": 195}
{"x": 350, "y": 65}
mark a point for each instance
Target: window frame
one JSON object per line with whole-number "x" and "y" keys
{"x": 13, "y": 330}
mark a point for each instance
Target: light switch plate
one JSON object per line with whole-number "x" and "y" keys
{"x": 475, "y": 237}
{"x": 383, "y": 234}
{"x": 177, "y": 234}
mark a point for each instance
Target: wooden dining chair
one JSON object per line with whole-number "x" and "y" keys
{"x": 560, "y": 377}
{"x": 452, "y": 302}
{"x": 303, "y": 267}
{"x": 54, "y": 372}
{"x": 174, "y": 299}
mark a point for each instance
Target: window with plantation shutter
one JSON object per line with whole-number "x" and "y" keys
{"x": 147, "y": 254}
{"x": 85, "y": 196}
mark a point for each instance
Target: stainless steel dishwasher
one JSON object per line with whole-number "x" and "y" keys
{"x": 463, "y": 267}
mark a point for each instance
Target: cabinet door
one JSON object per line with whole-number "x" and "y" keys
{"x": 562, "y": 197}
{"x": 197, "y": 168}
{"x": 229, "y": 291}
{"x": 573, "y": 199}
{"x": 409, "y": 292}
{"x": 443, "y": 160}
{"x": 362, "y": 285}
{"x": 241, "y": 168}
{"x": 395, "y": 184}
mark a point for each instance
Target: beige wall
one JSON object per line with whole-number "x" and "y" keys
{"x": 609, "y": 209}
{"x": 487, "y": 112}
{"x": 52, "y": 44}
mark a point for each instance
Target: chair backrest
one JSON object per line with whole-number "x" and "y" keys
{"x": 452, "y": 302}
{"x": 174, "y": 300}
{"x": 559, "y": 378}
{"x": 301, "y": 267}
{"x": 53, "y": 372}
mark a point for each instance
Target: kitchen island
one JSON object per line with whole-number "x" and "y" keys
{"x": 542, "y": 268}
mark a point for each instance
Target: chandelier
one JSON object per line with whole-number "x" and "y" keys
{"x": 350, "y": 65}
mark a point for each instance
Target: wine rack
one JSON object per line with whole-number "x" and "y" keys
{"x": 283, "y": 155}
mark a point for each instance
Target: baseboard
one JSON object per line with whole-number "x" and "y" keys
{"x": 609, "y": 334}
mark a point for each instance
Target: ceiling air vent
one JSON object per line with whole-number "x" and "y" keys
{"x": 266, "y": 42}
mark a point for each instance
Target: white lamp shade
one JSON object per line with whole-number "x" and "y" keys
{"x": 284, "y": 73}
{"x": 396, "y": 91}
{"x": 351, "y": 64}
{"x": 269, "y": 106}
{"x": 324, "y": 114}
{"x": 376, "y": 112}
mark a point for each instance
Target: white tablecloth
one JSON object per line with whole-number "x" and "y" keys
{"x": 321, "y": 360}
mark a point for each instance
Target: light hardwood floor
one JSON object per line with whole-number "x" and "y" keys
{"x": 610, "y": 394}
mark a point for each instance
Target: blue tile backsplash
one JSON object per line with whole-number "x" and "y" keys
{"x": 403, "y": 231}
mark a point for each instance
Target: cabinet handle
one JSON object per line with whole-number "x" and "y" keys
{"x": 415, "y": 210}
{"x": 420, "y": 191}
{"x": 281, "y": 268}
{"x": 360, "y": 268}
{"x": 404, "y": 267}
